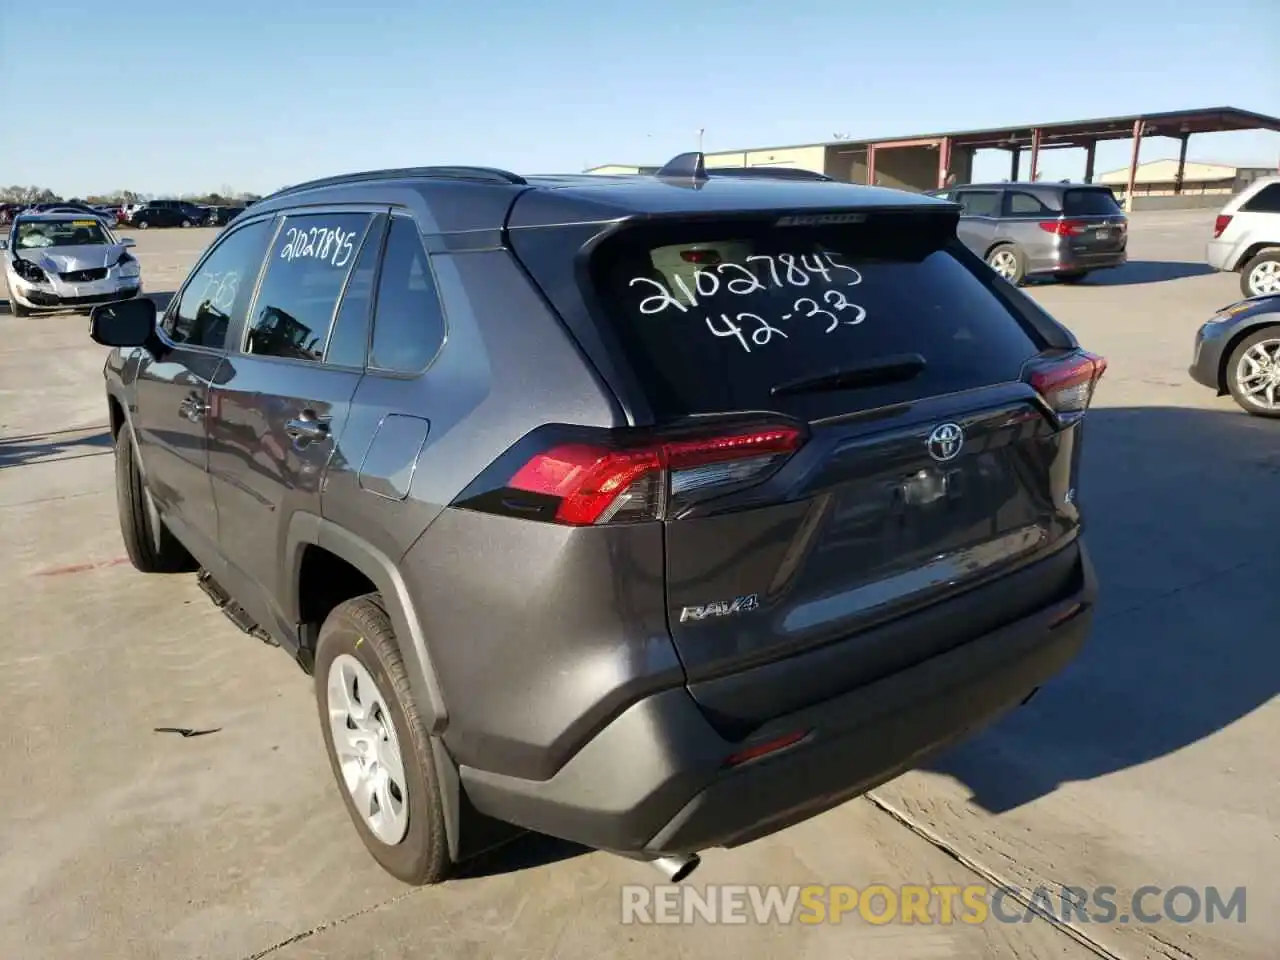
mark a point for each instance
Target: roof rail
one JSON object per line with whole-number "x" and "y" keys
{"x": 478, "y": 174}
{"x": 693, "y": 166}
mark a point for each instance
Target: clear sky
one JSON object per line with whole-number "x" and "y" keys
{"x": 170, "y": 96}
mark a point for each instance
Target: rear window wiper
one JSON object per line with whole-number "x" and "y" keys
{"x": 874, "y": 373}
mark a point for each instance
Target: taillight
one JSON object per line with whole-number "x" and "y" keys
{"x": 1220, "y": 223}
{"x": 706, "y": 257}
{"x": 1067, "y": 383}
{"x": 582, "y": 484}
{"x": 1063, "y": 228}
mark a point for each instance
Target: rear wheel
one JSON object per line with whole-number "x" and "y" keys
{"x": 142, "y": 224}
{"x": 378, "y": 748}
{"x": 1253, "y": 373}
{"x": 147, "y": 541}
{"x": 186, "y": 223}
{"x": 1261, "y": 275}
{"x": 1071, "y": 276}
{"x": 1008, "y": 261}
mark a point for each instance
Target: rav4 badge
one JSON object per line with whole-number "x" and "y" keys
{"x": 721, "y": 608}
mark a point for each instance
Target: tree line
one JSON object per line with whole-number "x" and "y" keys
{"x": 27, "y": 195}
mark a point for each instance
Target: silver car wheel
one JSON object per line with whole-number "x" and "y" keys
{"x": 1004, "y": 263}
{"x": 1265, "y": 278}
{"x": 1258, "y": 374}
{"x": 367, "y": 749}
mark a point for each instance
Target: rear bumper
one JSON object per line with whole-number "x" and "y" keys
{"x": 654, "y": 781}
{"x": 1069, "y": 261}
{"x": 1221, "y": 255}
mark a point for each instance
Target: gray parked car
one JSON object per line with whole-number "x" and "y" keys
{"x": 655, "y": 513}
{"x": 1059, "y": 230}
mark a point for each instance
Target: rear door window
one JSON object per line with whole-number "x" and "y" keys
{"x": 713, "y": 317}
{"x": 980, "y": 203}
{"x": 306, "y": 271}
{"x": 1266, "y": 200}
{"x": 1090, "y": 203}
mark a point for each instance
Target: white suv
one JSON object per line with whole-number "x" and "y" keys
{"x": 1246, "y": 237}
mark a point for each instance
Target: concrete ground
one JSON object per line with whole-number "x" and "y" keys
{"x": 1151, "y": 761}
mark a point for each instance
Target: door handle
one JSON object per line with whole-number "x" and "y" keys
{"x": 307, "y": 428}
{"x": 193, "y": 409}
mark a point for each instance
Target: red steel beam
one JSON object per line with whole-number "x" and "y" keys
{"x": 944, "y": 161}
{"x": 1035, "y": 154}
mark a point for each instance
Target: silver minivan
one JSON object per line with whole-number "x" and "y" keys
{"x": 1059, "y": 230}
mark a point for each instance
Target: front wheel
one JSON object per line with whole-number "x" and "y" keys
{"x": 147, "y": 541}
{"x": 378, "y": 748}
{"x": 142, "y": 224}
{"x": 1008, "y": 261}
{"x": 1261, "y": 275}
{"x": 1253, "y": 373}
{"x": 186, "y": 223}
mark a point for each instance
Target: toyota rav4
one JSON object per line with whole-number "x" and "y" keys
{"x": 652, "y": 512}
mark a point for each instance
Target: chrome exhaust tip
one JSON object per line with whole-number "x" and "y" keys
{"x": 676, "y": 869}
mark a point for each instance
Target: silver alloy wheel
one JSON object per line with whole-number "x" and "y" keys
{"x": 1004, "y": 263}
{"x": 367, "y": 749}
{"x": 1265, "y": 278}
{"x": 1258, "y": 374}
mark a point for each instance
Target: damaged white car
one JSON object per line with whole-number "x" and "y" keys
{"x": 65, "y": 261}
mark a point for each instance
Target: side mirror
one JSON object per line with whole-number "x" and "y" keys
{"x": 126, "y": 323}
{"x": 128, "y": 242}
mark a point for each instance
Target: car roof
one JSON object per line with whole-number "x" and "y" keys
{"x": 1032, "y": 186}
{"x": 466, "y": 199}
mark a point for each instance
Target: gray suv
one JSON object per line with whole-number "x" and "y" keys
{"x": 655, "y": 513}
{"x": 1059, "y": 230}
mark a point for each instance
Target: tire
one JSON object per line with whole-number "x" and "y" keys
{"x": 142, "y": 224}
{"x": 1268, "y": 338}
{"x": 357, "y": 635}
{"x": 18, "y": 309}
{"x": 186, "y": 223}
{"x": 147, "y": 541}
{"x": 1008, "y": 261}
{"x": 1261, "y": 275}
{"x": 1070, "y": 276}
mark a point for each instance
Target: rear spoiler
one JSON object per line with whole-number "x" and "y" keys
{"x": 693, "y": 166}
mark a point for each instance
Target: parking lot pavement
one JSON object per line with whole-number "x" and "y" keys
{"x": 1150, "y": 762}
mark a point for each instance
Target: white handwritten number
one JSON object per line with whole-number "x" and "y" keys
{"x": 857, "y": 277}
{"x": 747, "y": 283}
{"x": 763, "y": 333}
{"x": 320, "y": 243}
{"x": 730, "y": 329}
{"x": 656, "y": 303}
{"x": 835, "y": 321}
{"x": 795, "y": 276}
{"x": 815, "y": 265}
{"x": 837, "y": 300}
{"x": 773, "y": 267}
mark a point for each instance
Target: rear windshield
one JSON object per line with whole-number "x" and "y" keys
{"x": 714, "y": 317}
{"x": 1090, "y": 203}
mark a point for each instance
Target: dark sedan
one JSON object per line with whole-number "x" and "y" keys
{"x": 1237, "y": 351}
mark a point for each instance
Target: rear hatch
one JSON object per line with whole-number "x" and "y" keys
{"x": 846, "y": 425}
{"x": 1093, "y": 221}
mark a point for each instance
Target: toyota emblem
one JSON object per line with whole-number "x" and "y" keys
{"x": 945, "y": 442}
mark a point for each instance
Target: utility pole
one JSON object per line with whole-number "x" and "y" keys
{"x": 701, "y": 131}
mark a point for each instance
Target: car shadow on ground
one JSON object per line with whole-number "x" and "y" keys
{"x": 55, "y": 447}
{"x": 1180, "y": 509}
{"x": 1137, "y": 272}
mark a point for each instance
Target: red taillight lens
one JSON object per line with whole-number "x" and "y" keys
{"x": 595, "y": 484}
{"x": 1067, "y": 384}
{"x": 1220, "y": 223}
{"x": 1063, "y": 228}
{"x": 700, "y": 256}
